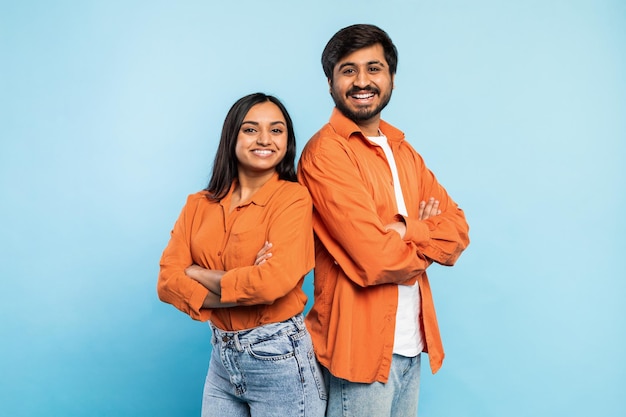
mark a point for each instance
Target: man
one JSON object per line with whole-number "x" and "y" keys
{"x": 380, "y": 219}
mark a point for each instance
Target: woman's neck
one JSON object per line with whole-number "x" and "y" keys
{"x": 246, "y": 187}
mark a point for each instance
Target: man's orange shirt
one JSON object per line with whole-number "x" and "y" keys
{"x": 358, "y": 264}
{"x": 208, "y": 235}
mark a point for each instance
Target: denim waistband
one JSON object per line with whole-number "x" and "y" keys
{"x": 239, "y": 339}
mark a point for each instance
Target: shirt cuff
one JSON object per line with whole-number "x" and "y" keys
{"x": 416, "y": 231}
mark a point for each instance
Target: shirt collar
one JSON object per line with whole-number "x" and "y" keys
{"x": 261, "y": 197}
{"x": 347, "y": 128}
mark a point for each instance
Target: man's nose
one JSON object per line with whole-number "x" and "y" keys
{"x": 362, "y": 79}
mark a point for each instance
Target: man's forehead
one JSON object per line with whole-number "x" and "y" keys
{"x": 370, "y": 55}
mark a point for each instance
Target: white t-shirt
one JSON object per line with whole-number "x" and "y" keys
{"x": 408, "y": 336}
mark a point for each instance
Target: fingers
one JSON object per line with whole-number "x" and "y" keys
{"x": 421, "y": 210}
{"x": 264, "y": 254}
{"x": 429, "y": 208}
{"x": 266, "y": 247}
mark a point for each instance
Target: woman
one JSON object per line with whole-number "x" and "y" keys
{"x": 237, "y": 258}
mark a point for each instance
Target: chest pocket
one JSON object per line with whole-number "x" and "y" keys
{"x": 243, "y": 245}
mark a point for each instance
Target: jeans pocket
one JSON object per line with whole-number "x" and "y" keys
{"x": 273, "y": 349}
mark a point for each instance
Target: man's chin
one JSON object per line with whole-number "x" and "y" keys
{"x": 357, "y": 115}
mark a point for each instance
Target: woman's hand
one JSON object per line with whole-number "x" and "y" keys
{"x": 264, "y": 254}
{"x": 210, "y": 278}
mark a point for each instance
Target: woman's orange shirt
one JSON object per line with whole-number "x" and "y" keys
{"x": 206, "y": 234}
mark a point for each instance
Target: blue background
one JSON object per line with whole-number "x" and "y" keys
{"x": 110, "y": 112}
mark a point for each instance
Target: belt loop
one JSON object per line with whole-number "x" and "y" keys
{"x": 298, "y": 320}
{"x": 213, "y": 334}
{"x": 235, "y": 339}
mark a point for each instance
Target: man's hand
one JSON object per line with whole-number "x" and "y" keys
{"x": 429, "y": 208}
{"x": 399, "y": 227}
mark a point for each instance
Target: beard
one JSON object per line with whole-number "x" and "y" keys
{"x": 364, "y": 113}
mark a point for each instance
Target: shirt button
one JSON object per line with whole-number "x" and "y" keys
{"x": 225, "y": 338}
{"x": 219, "y": 253}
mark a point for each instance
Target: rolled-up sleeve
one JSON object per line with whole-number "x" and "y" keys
{"x": 173, "y": 285}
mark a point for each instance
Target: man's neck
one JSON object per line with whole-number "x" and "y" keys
{"x": 369, "y": 127}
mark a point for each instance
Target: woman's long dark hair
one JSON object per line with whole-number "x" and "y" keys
{"x": 225, "y": 165}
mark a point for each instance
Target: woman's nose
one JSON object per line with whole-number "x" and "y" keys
{"x": 263, "y": 138}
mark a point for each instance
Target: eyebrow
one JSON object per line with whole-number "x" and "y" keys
{"x": 277, "y": 122}
{"x": 354, "y": 64}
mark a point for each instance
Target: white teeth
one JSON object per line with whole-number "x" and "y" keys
{"x": 262, "y": 151}
{"x": 363, "y": 95}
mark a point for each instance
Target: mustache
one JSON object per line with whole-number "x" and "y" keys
{"x": 357, "y": 90}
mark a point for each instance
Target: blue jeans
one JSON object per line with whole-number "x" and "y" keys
{"x": 397, "y": 398}
{"x": 269, "y": 370}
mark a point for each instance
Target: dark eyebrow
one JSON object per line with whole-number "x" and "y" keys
{"x": 352, "y": 64}
{"x": 251, "y": 122}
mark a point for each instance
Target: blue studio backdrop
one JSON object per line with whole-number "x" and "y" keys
{"x": 110, "y": 113}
